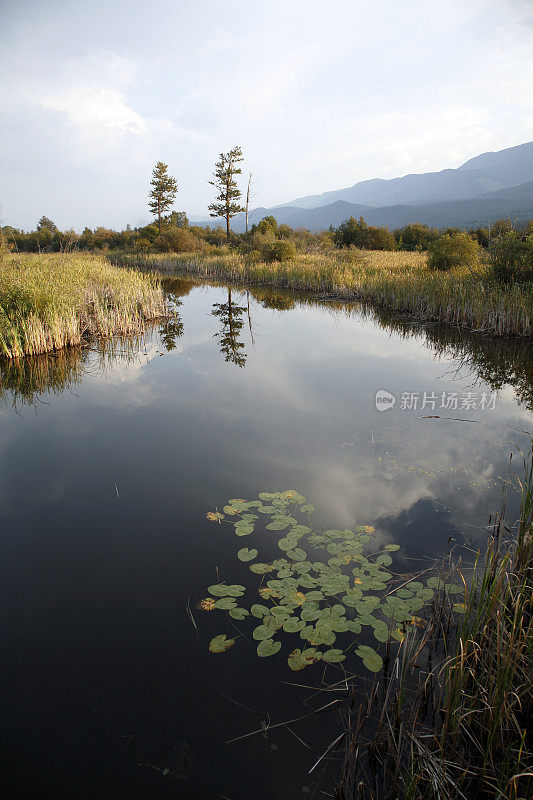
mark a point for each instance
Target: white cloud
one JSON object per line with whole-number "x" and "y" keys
{"x": 320, "y": 94}
{"x": 102, "y": 108}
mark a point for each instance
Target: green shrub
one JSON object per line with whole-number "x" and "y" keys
{"x": 511, "y": 257}
{"x": 453, "y": 250}
{"x": 174, "y": 239}
{"x": 280, "y": 250}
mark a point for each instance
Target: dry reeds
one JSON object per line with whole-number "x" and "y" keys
{"x": 48, "y": 302}
{"x": 398, "y": 281}
{"x": 452, "y": 718}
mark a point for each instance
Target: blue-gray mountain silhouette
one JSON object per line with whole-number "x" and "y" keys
{"x": 480, "y": 191}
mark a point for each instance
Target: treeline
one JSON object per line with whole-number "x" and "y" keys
{"x": 172, "y": 233}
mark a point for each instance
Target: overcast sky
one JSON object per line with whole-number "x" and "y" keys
{"x": 319, "y": 94}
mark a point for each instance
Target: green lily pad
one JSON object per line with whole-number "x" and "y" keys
{"x": 278, "y": 524}
{"x": 220, "y": 643}
{"x": 293, "y": 625}
{"x": 261, "y": 569}
{"x": 333, "y": 656}
{"x": 308, "y": 508}
{"x": 263, "y": 632}
{"x": 371, "y": 659}
{"x": 392, "y": 547}
{"x": 223, "y": 590}
{"x": 403, "y": 593}
{"x": 259, "y": 611}
{"x": 297, "y": 554}
{"x": 268, "y": 647}
{"x": 244, "y": 530}
{"x": 245, "y": 554}
{"x": 354, "y": 626}
{"x": 225, "y": 603}
{"x": 280, "y": 611}
{"x": 299, "y": 659}
{"x": 238, "y": 613}
{"x": 454, "y": 588}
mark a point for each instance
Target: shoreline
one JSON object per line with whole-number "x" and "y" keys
{"x": 452, "y": 299}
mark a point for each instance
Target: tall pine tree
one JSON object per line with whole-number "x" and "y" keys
{"x": 227, "y": 200}
{"x": 163, "y": 192}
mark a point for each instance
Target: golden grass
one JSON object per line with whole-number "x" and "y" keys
{"x": 48, "y": 302}
{"x": 396, "y": 280}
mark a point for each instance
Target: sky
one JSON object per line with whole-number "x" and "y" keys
{"x": 319, "y": 94}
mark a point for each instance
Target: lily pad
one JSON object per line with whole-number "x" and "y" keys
{"x": 333, "y": 656}
{"x": 268, "y": 647}
{"x": 280, "y": 611}
{"x": 293, "y": 625}
{"x": 239, "y": 613}
{"x": 371, "y": 659}
{"x": 223, "y": 590}
{"x": 244, "y": 529}
{"x": 299, "y": 659}
{"x": 263, "y": 632}
{"x": 297, "y": 554}
{"x": 220, "y": 643}
{"x": 454, "y": 588}
{"x": 259, "y": 610}
{"x": 225, "y": 603}
{"x": 278, "y": 524}
{"x": 261, "y": 569}
{"x": 245, "y": 554}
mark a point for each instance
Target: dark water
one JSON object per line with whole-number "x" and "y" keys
{"x": 109, "y": 461}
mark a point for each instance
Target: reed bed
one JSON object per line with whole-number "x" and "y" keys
{"x": 395, "y": 280}
{"x": 49, "y": 302}
{"x": 451, "y": 719}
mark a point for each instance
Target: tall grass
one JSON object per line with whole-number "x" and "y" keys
{"x": 395, "y": 280}
{"x": 48, "y": 302}
{"x": 453, "y": 717}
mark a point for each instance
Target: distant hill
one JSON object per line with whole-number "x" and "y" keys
{"x": 482, "y": 190}
{"x": 485, "y": 173}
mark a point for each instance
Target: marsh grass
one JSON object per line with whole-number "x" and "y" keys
{"x": 48, "y": 302}
{"x": 398, "y": 281}
{"x": 452, "y": 717}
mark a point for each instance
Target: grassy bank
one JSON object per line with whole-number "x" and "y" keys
{"x": 48, "y": 302}
{"x": 451, "y": 718}
{"x": 395, "y": 280}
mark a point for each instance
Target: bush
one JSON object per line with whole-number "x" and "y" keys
{"x": 280, "y": 250}
{"x": 453, "y": 250}
{"x": 359, "y": 234}
{"x": 511, "y": 257}
{"x": 178, "y": 240}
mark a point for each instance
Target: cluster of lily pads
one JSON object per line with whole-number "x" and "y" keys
{"x": 315, "y": 599}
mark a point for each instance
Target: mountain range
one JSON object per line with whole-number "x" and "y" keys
{"x": 480, "y": 191}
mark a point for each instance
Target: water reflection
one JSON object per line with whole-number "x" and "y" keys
{"x": 103, "y": 497}
{"x": 31, "y": 379}
{"x": 229, "y": 314}
{"x": 495, "y": 362}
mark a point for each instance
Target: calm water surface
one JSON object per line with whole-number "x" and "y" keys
{"x": 109, "y": 461}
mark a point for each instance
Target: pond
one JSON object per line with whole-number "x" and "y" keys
{"x": 112, "y": 457}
